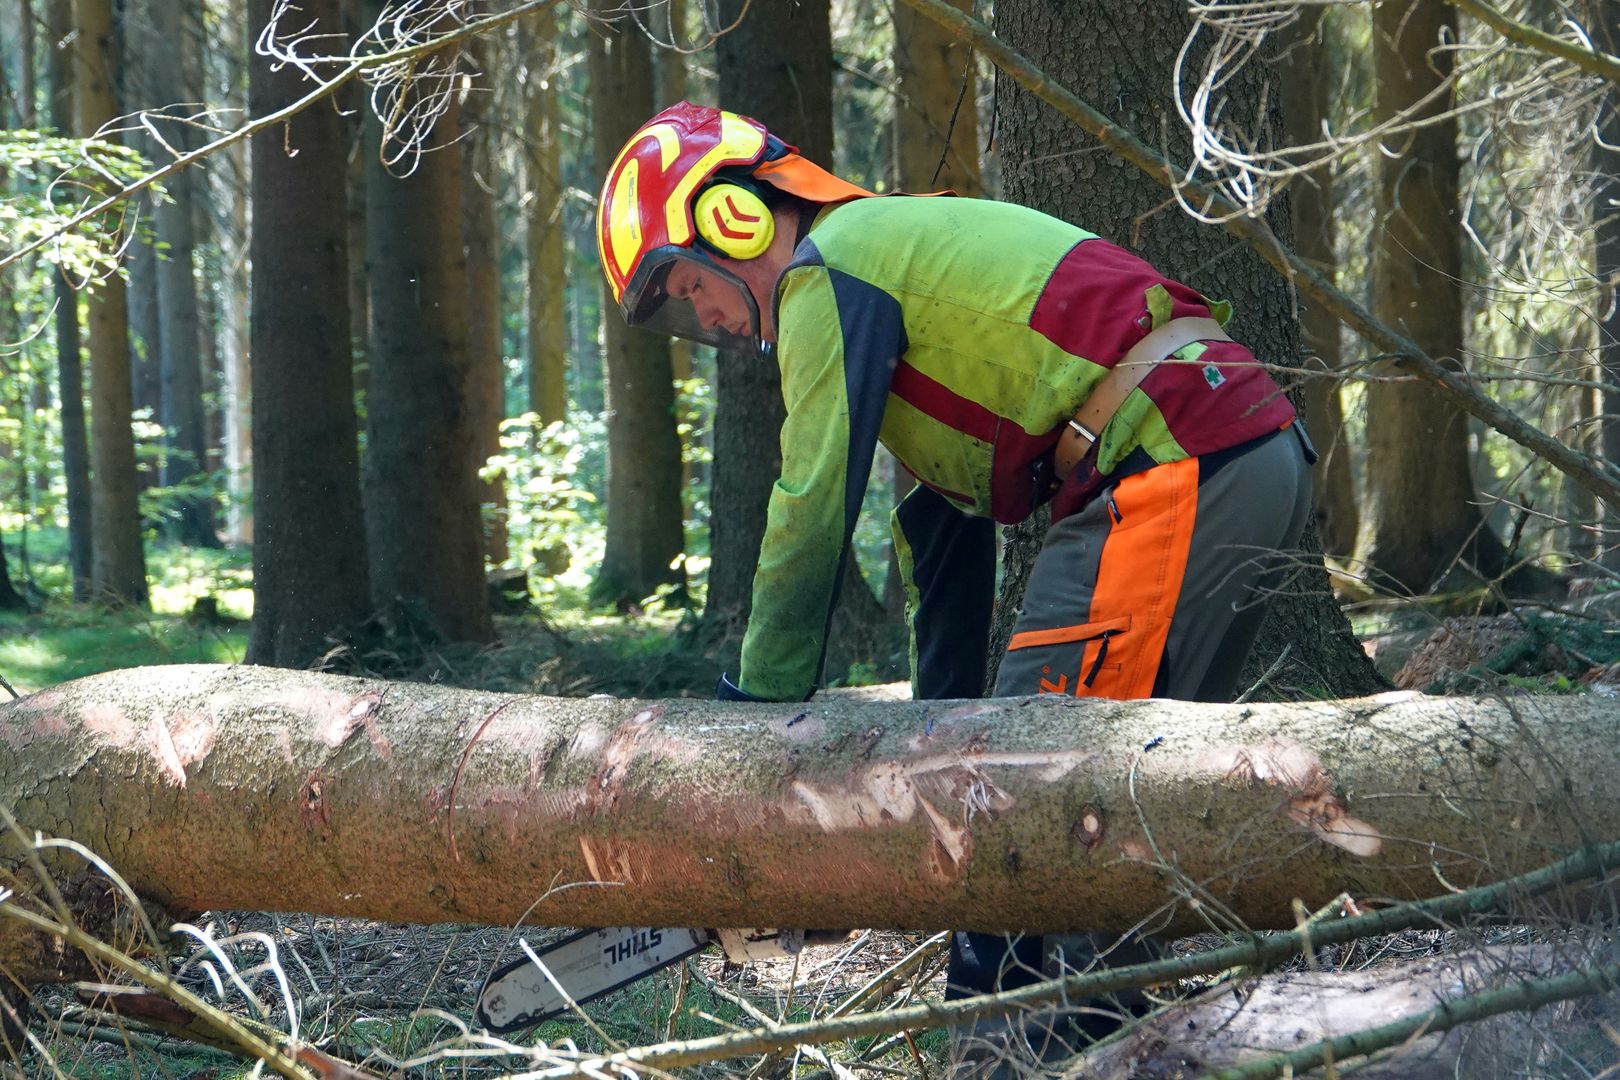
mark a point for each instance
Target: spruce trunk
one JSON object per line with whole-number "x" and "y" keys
{"x": 1423, "y": 513}
{"x": 117, "y": 562}
{"x": 644, "y": 517}
{"x": 309, "y": 559}
{"x": 239, "y": 787}
{"x": 420, "y": 473}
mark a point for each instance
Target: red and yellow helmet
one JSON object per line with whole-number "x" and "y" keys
{"x": 678, "y": 164}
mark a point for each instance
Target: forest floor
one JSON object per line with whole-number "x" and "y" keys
{"x": 400, "y": 997}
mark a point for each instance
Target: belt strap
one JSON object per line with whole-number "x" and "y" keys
{"x": 1080, "y": 434}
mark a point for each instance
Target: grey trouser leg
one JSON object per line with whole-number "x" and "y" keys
{"x": 1251, "y": 514}
{"x": 1251, "y": 507}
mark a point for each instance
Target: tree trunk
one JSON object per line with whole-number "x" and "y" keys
{"x": 671, "y": 65}
{"x": 145, "y": 327}
{"x": 548, "y": 312}
{"x": 643, "y": 506}
{"x": 1423, "y": 519}
{"x": 223, "y": 209}
{"x": 27, "y": 77}
{"x": 486, "y": 374}
{"x": 118, "y": 564}
{"x": 1053, "y": 166}
{"x": 309, "y": 561}
{"x": 171, "y": 81}
{"x": 421, "y": 480}
{"x": 776, "y": 66}
{"x": 422, "y": 803}
{"x": 361, "y": 157}
{"x": 236, "y": 350}
{"x": 936, "y": 129}
{"x": 1606, "y": 215}
{"x": 136, "y": 91}
{"x": 10, "y": 598}
{"x": 1305, "y": 70}
{"x": 69, "y": 359}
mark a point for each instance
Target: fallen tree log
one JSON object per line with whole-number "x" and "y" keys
{"x": 1250, "y": 1023}
{"x": 241, "y": 787}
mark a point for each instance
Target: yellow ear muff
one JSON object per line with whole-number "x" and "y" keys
{"x": 735, "y": 220}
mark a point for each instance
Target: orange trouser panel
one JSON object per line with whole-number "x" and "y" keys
{"x": 1139, "y": 577}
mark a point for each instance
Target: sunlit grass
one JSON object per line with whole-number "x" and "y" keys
{"x": 42, "y": 650}
{"x": 65, "y": 641}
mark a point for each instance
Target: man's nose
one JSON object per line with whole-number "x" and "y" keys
{"x": 709, "y": 316}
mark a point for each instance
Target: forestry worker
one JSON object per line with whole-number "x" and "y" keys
{"x": 1008, "y": 360}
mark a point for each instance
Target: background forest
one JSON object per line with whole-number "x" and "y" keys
{"x": 368, "y": 343}
{"x": 305, "y": 359}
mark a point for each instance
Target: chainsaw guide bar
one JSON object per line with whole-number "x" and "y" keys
{"x": 589, "y": 964}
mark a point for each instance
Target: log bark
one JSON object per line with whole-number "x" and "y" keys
{"x": 1249, "y": 1020}
{"x": 242, "y": 787}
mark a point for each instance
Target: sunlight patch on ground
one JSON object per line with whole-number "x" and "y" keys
{"x": 36, "y": 652}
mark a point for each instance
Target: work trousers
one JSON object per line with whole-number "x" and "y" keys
{"x": 1155, "y": 589}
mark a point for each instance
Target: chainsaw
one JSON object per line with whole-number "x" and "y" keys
{"x": 584, "y": 966}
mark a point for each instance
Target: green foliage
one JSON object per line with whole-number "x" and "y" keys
{"x": 545, "y": 511}
{"x": 51, "y": 178}
{"x": 65, "y": 641}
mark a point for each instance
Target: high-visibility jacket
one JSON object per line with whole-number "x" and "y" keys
{"x": 963, "y": 334}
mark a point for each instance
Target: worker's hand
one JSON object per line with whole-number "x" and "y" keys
{"x": 726, "y": 690}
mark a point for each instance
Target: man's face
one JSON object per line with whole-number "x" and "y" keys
{"x": 716, "y": 300}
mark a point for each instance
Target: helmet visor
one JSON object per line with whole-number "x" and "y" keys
{"x": 683, "y": 293}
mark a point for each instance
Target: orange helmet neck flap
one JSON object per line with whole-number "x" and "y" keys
{"x": 696, "y": 183}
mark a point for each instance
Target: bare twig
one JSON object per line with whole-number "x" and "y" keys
{"x": 1521, "y": 995}
{"x": 323, "y": 90}
{"x": 1590, "y": 60}
{"x": 214, "y": 1019}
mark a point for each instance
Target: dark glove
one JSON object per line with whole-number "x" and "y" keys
{"x": 726, "y": 690}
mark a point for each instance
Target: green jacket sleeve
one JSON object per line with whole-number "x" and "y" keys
{"x": 838, "y": 340}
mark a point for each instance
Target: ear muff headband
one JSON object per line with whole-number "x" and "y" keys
{"x": 734, "y": 220}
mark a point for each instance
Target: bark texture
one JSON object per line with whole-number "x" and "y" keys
{"x": 117, "y": 563}
{"x": 170, "y": 76}
{"x": 309, "y": 561}
{"x": 69, "y": 352}
{"x": 776, "y": 66}
{"x": 1304, "y": 79}
{"x": 936, "y": 129}
{"x": 236, "y": 377}
{"x": 1423, "y": 517}
{"x": 420, "y": 478}
{"x": 10, "y": 598}
{"x": 486, "y": 378}
{"x": 1124, "y": 54}
{"x": 645, "y": 527}
{"x": 548, "y": 316}
{"x": 422, "y": 803}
